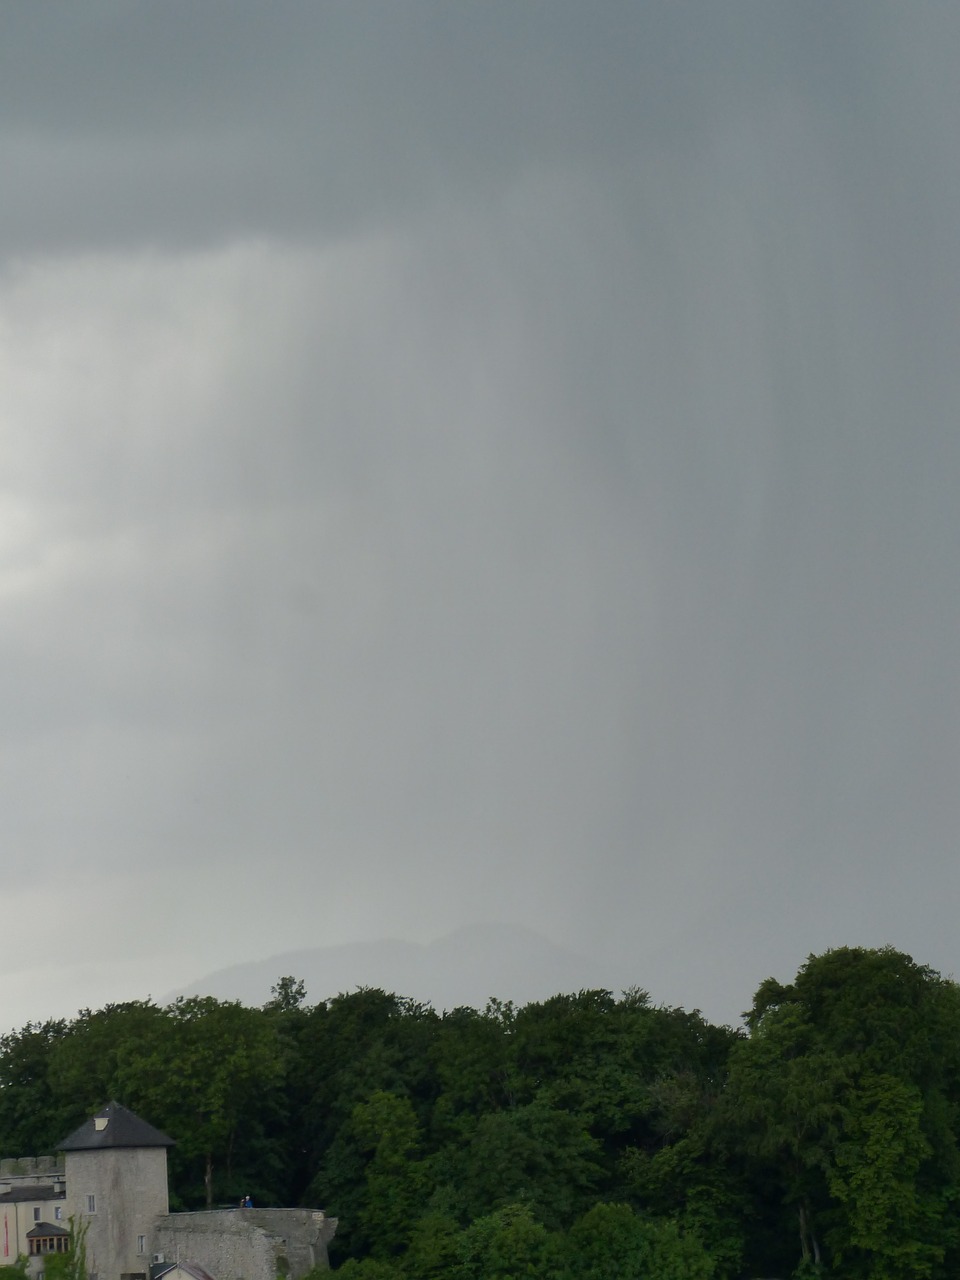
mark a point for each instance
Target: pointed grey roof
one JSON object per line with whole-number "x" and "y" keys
{"x": 114, "y": 1126}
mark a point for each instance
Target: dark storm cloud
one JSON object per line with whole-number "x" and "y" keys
{"x": 183, "y": 123}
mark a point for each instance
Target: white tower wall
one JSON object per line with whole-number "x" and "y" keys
{"x": 128, "y": 1186}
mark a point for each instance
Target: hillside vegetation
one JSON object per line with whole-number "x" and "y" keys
{"x": 582, "y": 1136}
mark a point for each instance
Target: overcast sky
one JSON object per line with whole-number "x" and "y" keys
{"x": 477, "y": 461}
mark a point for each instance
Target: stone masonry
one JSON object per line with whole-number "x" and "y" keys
{"x": 246, "y": 1244}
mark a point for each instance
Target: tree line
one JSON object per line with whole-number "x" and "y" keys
{"x": 584, "y": 1137}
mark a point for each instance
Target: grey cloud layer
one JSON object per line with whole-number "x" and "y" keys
{"x": 488, "y": 461}
{"x": 185, "y": 124}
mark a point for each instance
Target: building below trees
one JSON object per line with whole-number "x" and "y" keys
{"x": 107, "y": 1200}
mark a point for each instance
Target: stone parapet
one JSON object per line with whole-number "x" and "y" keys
{"x": 246, "y": 1244}
{"x": 31, "y": 1167}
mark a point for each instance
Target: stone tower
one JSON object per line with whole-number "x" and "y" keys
{"x": 116, "y": 1176}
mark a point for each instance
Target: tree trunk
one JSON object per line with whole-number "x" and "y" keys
{"x": 208, "y": 1180}
{"x": 804, "y": 1247}
{"x": 808, "y": 1241}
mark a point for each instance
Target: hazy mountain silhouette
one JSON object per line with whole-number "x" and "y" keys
{"x": 465, "y": 967}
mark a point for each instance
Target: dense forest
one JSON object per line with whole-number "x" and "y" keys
{"x": 584, "y": 1136}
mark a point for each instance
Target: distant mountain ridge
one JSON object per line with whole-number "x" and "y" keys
{"x": 466, "y": 967}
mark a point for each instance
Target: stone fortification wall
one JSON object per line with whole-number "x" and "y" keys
{"x": 300, "y": 1236}
{"x": 31, "y": 1167}
{"x": 246, "y": 1244}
